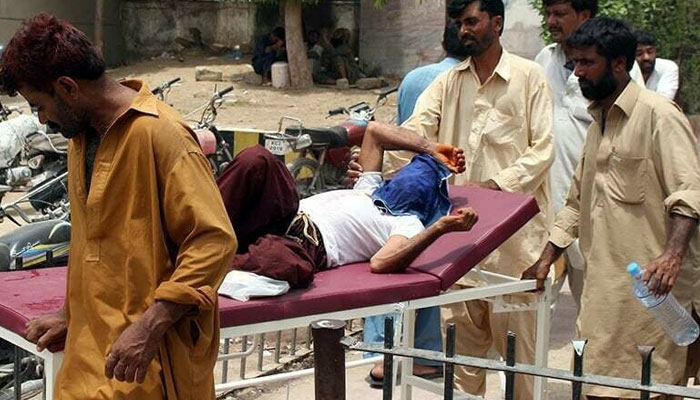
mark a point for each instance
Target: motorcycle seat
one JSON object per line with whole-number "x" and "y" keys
{"x": 332, "y": 137}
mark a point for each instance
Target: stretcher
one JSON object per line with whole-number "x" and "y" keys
{"x": 348, "y": 292}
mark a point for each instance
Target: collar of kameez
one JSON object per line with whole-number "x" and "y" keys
{"x": 502, "y": 68}
{"x": 625, "y": 101}
{"x": 145, "y": 102}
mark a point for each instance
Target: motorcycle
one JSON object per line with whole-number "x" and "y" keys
{"x": 29, "y": 154}
{"x": 323, "y": 153}
{"x": 215, "y": 147}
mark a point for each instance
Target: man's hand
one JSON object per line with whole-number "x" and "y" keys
{"x": 47, "y": 329}
{"x": 131, "y": 354}
{"x": 660, "y": 274}
{"x": 451, "y": 156}
{"x": 354, "y": 171}
{"x": 463, "y": 220}
{"x": 540, "y": 269}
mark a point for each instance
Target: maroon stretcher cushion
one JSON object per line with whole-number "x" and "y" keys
{"x": 28, "y": 294}
{"x": 500, "y": 216}
{"x": 344, "y": 288}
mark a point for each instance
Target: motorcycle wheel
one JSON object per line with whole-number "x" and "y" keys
{"x": 303, "y": 170}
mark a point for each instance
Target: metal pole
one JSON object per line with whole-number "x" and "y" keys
{"x": 645, "y": 352}
{"x": 261, "y": 348}
{"x": 224, "y": 365}
{"x": 17, "y": 373}
{"x": 388, "y": 382}
{"x": 293, "y": 350}
{"x": 510, "y": 361}
{"x": 278, "y": 345}
{"x": 329, "y": 359}
{"x": 244, "y": 347}
{"x": 579, "y": 346}
{"x": 308, "y": 338}
{"x": 449, "y": 367}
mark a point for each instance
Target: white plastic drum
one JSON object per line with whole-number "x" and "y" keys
{"x": 280, "y": 74}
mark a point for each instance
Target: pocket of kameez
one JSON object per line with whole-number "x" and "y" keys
{"x": 626, "y": 178}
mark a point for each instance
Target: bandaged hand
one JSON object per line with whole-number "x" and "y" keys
{"x": 451, "y": 156}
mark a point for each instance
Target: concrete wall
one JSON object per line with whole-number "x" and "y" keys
{"x": 408, "y": 33}
{"x": 151, "y": 27}
{"x": 79, "y": 12}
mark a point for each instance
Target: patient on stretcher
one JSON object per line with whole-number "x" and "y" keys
{"x": 388, "y": 223}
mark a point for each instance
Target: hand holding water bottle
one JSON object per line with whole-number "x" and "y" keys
{"x": 660, "y": 274}
{"x": 669, "y": 313}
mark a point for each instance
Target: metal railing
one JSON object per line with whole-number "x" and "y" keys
{"x": 330, "y": 379}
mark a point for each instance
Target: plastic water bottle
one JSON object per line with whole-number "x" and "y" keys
{"x": 673, "y": 317}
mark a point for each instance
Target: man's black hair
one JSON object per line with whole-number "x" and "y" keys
{"x": 612, "y": 38}
{"x": 279, "y": 32}
{"x": 578, "y": 5}
{"x": 493, "y": 7}
{"x": 645, "y": 38}
{"x": 451, "y": 43}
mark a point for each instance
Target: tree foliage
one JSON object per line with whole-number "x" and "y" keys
{"x": 675, "y": 25}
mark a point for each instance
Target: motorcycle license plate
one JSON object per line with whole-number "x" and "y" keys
{"x": 277, "y": 147}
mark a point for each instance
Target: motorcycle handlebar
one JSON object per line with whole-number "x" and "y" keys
{"x": 223, "y": 92}
{"x": 174, "y": 81}
{"x": 388, "y": 92}
{"x": 336, "y": 111}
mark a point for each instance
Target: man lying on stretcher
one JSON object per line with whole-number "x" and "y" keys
{"x": 388, "y": 223}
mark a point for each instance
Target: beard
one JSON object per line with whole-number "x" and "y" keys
{"x": 71, "y": 124}
{"x": 605, "y": 86}
{"x": 475, "y": 46}
{"x": 647, "y": 67}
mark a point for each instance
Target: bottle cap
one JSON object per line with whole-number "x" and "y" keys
{"x": 633, "y": 269}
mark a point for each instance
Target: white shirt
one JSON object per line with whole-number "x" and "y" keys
{"x": 664, "y": 78}
{"x": 571, "y": 121}
{"x": 352, "y": 228}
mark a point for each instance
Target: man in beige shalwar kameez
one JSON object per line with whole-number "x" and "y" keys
{"x": 635, "y": 197}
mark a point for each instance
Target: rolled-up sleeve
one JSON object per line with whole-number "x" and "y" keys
{"x": 677, "y": 161}
{"x": 531, "y": 169}
{"x": 197, "y": 222}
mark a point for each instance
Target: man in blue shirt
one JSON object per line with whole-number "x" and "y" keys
{"x": 427, "y": 334}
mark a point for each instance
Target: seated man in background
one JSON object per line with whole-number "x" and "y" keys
{"x": 660, "y": 74}
{"x": 287, "y": 239}
{"x": 338, "y": 61}
{"x": 269, "y": 49}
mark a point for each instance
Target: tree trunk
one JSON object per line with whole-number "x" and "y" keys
{"x": 99, "y": 23}
{"x": 299, "y": 71}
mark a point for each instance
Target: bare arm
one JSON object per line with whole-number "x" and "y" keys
{"x": 399, "y": 251}
{"x": 380, "y": 137}
{"x": 660, "y": 274}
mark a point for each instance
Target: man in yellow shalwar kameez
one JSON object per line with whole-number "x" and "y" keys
{"x": 151, "y": 241}
{"x": 635, "y": 196}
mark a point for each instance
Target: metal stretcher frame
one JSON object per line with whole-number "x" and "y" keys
{"x": 500, "y": 285}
